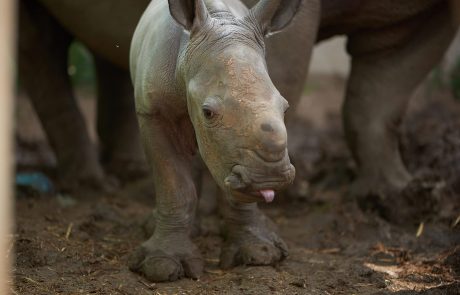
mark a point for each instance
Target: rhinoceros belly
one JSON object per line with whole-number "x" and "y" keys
{"x": 106, "y": 26}
{"x": 351, "y": 16}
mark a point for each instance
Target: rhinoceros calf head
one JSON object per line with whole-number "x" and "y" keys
{"x": 236, "y": 111}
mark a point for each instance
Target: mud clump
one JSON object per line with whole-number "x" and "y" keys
{"x": 431, "y": 150}
{"x": 453, "y": 261}
{"x": 430, "y": 147}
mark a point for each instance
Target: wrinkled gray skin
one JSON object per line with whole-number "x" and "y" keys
{"x": 199, "y": 74}
{"x": 388, "y": 62}
{"x": 392, "y": 44}
{"x": 207, "y": 87}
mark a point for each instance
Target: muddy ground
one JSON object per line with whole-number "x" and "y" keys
{"x": 404, "y": 244}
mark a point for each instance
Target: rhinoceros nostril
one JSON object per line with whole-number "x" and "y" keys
{"x": 266, "y": 127}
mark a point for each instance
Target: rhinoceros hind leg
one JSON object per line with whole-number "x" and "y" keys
{"x": 380, "y": 85}
{"x": 117, "y": 127}
{"x": 42, "y": 59}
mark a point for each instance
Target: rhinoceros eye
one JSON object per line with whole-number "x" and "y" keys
{"x": 208, "y": 112}
{"x": 212, "y": 111}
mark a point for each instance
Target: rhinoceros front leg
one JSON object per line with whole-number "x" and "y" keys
{"x": 249, "y": 238}
{"x": 380, "y": 85}
{"x": 169, "y": 254}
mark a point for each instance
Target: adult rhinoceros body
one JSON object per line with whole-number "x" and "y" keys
{"x": 42, "y": 62}
{"x": 201, "y": 83}
{"x": 105, "y": 26}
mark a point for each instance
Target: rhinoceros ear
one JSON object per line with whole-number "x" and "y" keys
{"x": 190, "y": 14}
{"x": 274, "y": 15}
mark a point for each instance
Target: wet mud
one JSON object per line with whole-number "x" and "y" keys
{"x": 406, "y": 243}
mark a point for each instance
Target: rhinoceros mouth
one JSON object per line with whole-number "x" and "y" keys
{"x": 255, "y": 179}
{"x": 266, "y": 195}
{"x": 257, "y": 183}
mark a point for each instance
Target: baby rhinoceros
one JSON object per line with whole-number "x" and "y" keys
{"x": 201, "y": 83}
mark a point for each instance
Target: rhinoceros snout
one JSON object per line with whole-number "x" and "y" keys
{"x": 271, "y": 138}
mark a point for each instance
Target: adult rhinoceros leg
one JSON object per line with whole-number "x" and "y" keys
{"x": 42, "y": 49}
{"x": 379, "y": 87}
{"x": 289, "y": 52}
{"x": 250, "y": 238}
{"x": 169, "y": 254}
{"x": 117, "y": 126}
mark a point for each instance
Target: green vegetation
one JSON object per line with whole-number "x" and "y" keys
{"x": 81, "y": 66}
{"x": 441, "y": 79}
{"x": 455, "y": 80}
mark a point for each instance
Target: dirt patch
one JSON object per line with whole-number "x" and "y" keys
{"x": 79, "y": 245}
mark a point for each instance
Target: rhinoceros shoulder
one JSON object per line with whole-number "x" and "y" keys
{"x": 153, "y": 58}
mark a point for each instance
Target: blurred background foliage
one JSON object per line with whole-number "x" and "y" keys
{"x": 455, "y": 80}
{"x": 81, "y": 66}
{"x": 442, "y": 79}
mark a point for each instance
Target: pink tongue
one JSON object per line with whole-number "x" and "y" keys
{"x": 268, "y": 195}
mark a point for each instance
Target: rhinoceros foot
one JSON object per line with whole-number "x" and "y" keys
{"x": 415, "y": 202}
{"x": 378, "y": 184}
{"x": 127, "y": 170}
{"x": 84, "y": 180}
{"x": 167, "y": 258}
{"x": 254, "y": 244}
